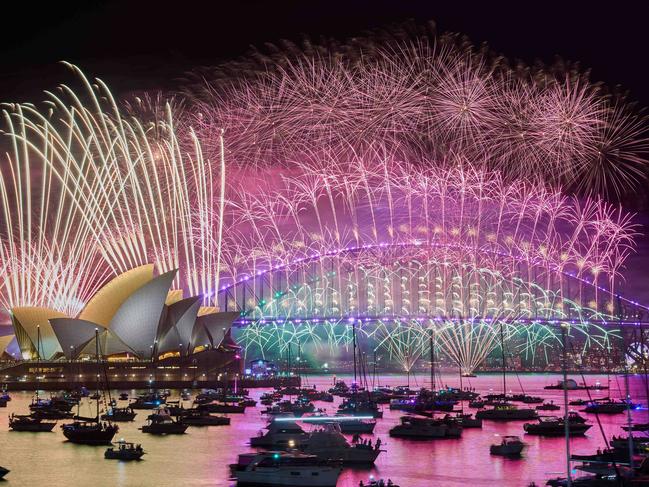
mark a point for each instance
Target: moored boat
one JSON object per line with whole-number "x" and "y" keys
{"x": 412, "y": 427}
{"x": 508, "y": 446}
{"x": 288, "y": 469}
{"x": 161, "y": 423}
{"x": 506, "y": 412}
{"x": 555, "y": 426}
{"x": 280, "y": 433}
{"x": 29, "y": 423}
{"x": 124, "y": 451}
{"x": 119, "y": 414}
{"x": 200, "y": 417}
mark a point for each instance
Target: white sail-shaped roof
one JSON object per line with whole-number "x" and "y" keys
{"x": 137, "y": 320}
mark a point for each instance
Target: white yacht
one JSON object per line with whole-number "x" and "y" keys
{"x": 280, "y": 433}
{"x": 284, "y": 469}
{"x": 328, "y": 443}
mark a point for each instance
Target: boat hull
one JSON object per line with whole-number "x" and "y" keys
{"x": 268, "y": 477}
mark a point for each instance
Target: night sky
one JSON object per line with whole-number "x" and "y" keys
{"x": 136, "y": 45}
{"x": 143, "y": 44}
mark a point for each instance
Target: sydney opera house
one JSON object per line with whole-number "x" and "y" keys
{"x": 146, "y": 331}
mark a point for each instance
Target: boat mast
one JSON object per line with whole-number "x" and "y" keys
{"x": 432, "y": 359}
{"x": 97, "y": 357}
{"x": 566, "y": 418}
{"x": 502, "y": 350}
{"x": 354, "y": 346}
{"x": 627, "y": 393}
{"x": 38, "y": 358}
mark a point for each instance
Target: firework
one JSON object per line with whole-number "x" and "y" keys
{"x": 427, "y": 94}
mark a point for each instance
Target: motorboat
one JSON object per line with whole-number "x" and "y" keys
{"x": 506, "y": 412}
{"x": 637, "y": 427}
{"x": 357, "y": 426}
{"x": 372, "y": 482}
{"x": 548, "y": 406}
{"x": 200, "y": 417}
{"x": 3, "y": 472}
{"x": 467, "y": 420}
{"x": 476, "y": 404}
{"x": 508, "y": 446}
{"x": 29, "y": 423}
{"x": 296, "y": 408}
{"x": 525, "y": 399}
{"x": 555, "y": 426}
{"x": 286, "y": 469}
{"x": 608, "y": 407}
{"x": 124, "y": 451}
{"x": 328, "y": 443}
{"x": 148, "y": 401}
{"x": 161, "y": 423}
{"x": 280, "y": 433}
{"x": 51, "y": 404}
{"x": 223, "y": 407}
{"x": 412, "y": 427}
{"x": 622, "y": 442}
{"x": 123, "y": 396}
{"x": 51, "y": 414}
{"x": 119, "y": 414}
{"x": 572, "y": 385}
{"x": 90, "y": 432}
{"x": 340, "y": 388}
{"x": 357, "y": 407}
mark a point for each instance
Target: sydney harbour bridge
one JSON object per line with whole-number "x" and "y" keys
{"x": 398, "y": 296}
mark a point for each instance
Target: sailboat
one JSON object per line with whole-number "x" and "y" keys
{"x": 91, "y": 431}
{"x": 505, "y": 411}
{"x": 33, "y": 422}
{"x": 355, "y": 405}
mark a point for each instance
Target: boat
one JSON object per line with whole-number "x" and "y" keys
{"x": 161, "y": 423}
{"x": 468, "y": 375}
{"x": 555, "y": 426}
{"x": 354, "y": 406}
{"x": 508, "y": 446}
{"x": 3, "y": 472}
{"x": 622, "y": 442}
{"x": 328, "y": 443}
{"x": 290, "y": 469}
{"x": 467, "y": 420}
{"x": 637, "y": 427}
{"x": 525, "y": 399}
{"x": 151, "y": 400}
{"x": 506, "y": 412}
{"x": 358, "y": 426}
{"x": 123, "y": 396}
{"x": 29, "y": 423}
{"x": 412, "y": 427}
{"x": 200, "y": 417}
{"x": 119, "y": 414}
{"x": 51, "y": 414}
{"x": 372, "y": 482}
{"x": 280, "y": 433}
{"x": 91, "y": 431}
{"x": 572, "y": 385}
{"x": 340, "y": 388}
{"x": 608, "y": 407}
{"x": 548, "y": 406}
{"x": 476, "y": 404}
{"x": 124, "y": 451}
{"x": 223, "y": 407}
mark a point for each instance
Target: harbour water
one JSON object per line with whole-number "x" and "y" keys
{"x": 201, "y": 457}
